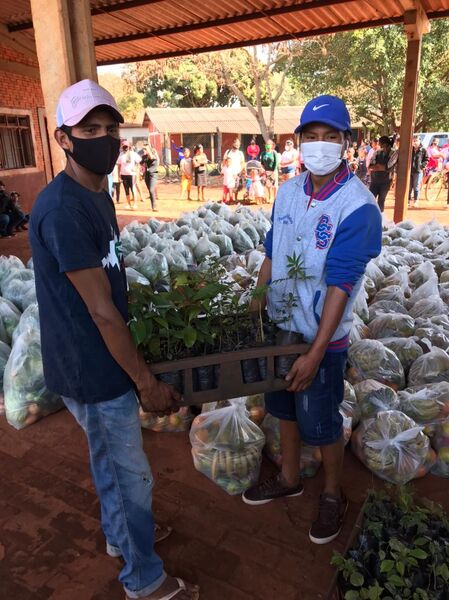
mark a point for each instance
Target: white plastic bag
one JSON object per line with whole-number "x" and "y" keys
{"x": 392, "y": 446}
{"x": 26, "y": 397}
{"x": 227, "y": 447}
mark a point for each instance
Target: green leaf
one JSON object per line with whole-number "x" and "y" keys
{"x": 162, "y": 322}
{"x": 418, "y": 553}
{"x": 421, "y": 541}
{"x": 442, "y": 571}
{"x": 386, "y": 566}
{"x": 357, "y": 579}
{"x": 138, "y": 331}
{"x": 208, "y": 291}
{"x": 190, "y": 336}
{"x": 352, "y": 595}
{"x": 396, "y": 580}
{"x": 400, "y": 567}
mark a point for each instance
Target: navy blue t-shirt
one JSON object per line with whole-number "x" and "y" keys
{"x": 73, "y": 228}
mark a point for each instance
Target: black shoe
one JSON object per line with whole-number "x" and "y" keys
{"x": 269, "y": 490}
{"x": 330, "y": 519}
{"x": 10, "y": 234}
{"x": 4, "y": 235}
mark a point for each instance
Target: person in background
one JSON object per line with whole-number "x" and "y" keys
{"x": 83, "y": 308}
{"x": 331, "y": 220}
{"x": 186, "y": 169}
{"x": 381, "y": 172}
{"x": 371, "y": 152}
{"x": 128, "y": 163}
{"x": 21, "y": 218}
{"x": 238, "y": 165}
{"x": 179, "y": 151}
{"x": 116, "y": 184}
{"x": 436, "y": 157}
{"x": 150, "y": 162}
{"x": 9, "y": 218}
{"x": 270, "y": 162}
{"x": 199, "y": 163}
{"x": 420, "y": 159}
{"x": 228, "y": 181}
{"x": 256, "y": 191}
{"x": 362, "y": 170}
{"x": 253, "y": 150}
{"x": 289, "y": 158}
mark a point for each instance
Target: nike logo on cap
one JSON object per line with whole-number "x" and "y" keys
{"x": 318, "y": 107}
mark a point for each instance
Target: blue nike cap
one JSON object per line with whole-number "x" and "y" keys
{"x": 329, "y": 110}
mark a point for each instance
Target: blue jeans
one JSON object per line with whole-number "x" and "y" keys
{"x": 124, "y": 483}
{"x": 316, "y": 410}
{"x": 415, "y": 185}
{"x": 4, "y": 222}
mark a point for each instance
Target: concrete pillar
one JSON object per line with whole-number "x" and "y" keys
{"x": 65, "y": 50}
{"x": 219, "y": 146}
{"x": 416, "y": 24}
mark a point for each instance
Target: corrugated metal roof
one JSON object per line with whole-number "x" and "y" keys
{"x": 130, "y": 30}
{"x": 226, "y": 120}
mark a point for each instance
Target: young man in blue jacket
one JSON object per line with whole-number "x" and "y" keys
{"x": 331, "y": 220}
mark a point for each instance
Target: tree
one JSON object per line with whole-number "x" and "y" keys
{"x": 367, "y": 67}
{"x": 177, "y": 82}
{"x": 129, "y": 100}
{"x": 258, "y": 77}
{"x": 254, "y": 77}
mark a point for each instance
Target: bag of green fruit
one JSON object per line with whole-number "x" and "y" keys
{"x": 440, "y": 442}
{"x": 174, "y": 423}
{"x": 227, "y": 447}
{"x": 26, "y": 397}
{"x": 392, "y": 446}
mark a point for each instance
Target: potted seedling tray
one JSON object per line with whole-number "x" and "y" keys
{"x": 230, "y": 377}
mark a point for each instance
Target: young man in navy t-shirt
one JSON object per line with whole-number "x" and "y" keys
{"x": 88, "y": 354}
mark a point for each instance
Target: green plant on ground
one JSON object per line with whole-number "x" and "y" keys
{"x": 402, "y": 551}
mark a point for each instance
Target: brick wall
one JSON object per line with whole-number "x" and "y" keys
{"x": 23, "y": 92}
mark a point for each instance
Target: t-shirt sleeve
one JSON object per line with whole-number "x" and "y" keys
{"x": 268, "y": 243}
{"x": 357, "y": 240}
{"x": 69, "y": 236}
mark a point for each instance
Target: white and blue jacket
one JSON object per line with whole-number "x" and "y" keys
{"x": 336, "y": 232}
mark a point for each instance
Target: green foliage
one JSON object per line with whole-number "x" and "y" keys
{"x": 178, "y": 83}
{"x": 195, "y": 314}
{"x": 402, "y": 551}
{"x": 367, "y": 68}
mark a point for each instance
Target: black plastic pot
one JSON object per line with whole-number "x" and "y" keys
{"x": 250, "y": 370}
{"x": 174, "y": 378}
{"x": 262, "y": 363}
{"x": 283, "y": 364}
{"x": 204, "y": 379}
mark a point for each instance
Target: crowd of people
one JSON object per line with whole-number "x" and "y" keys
{"x": 255, "y": 175}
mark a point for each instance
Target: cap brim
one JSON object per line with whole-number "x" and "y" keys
{"x": 80, "y": 116}
{"x": 329, "y": 122}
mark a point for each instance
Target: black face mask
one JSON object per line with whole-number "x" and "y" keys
{"x": 98, "y": 155}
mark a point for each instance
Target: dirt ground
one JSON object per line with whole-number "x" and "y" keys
{"x": 51, "y": 546}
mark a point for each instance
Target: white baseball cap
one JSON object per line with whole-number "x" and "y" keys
{"x": 80, "y": 98}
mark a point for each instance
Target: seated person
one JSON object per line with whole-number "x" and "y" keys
{"x": 8, "y": 217}
{"x": 24, "y": 218}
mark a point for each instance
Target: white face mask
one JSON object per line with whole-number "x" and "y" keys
{"x": 321, "y": 158}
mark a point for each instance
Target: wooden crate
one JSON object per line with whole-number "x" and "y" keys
{"x": 231, "y": 383}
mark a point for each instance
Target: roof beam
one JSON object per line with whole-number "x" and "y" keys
{"x": 98, "y": 10}
{"x": 278, "y": 38}
{"x": 18, "y": 42}
{"x": 203, "y": 25}
{"x": 416, "y": 21}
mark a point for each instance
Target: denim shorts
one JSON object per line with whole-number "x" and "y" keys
{"x": 317, "y": 408}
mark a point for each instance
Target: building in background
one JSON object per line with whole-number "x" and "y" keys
{"x": 216, "y": 128}
{"x": 25, "y": 164}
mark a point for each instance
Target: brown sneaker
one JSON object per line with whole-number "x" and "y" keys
{"x": 330, "y": 519}
{"x": 269, "y": 490}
